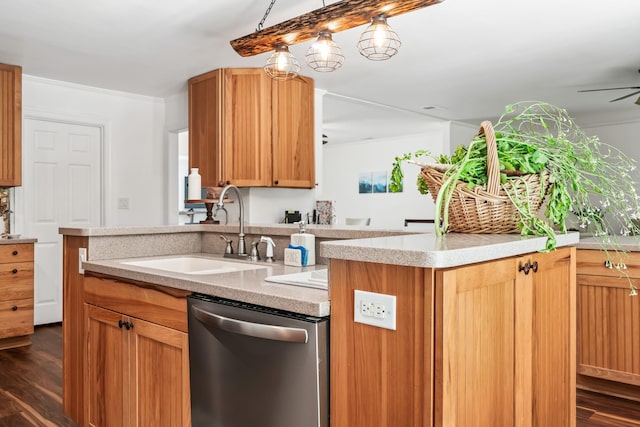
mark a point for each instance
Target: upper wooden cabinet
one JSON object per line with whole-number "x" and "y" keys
{"x": 10, "y": 125}
{"x": 251, "y": 131}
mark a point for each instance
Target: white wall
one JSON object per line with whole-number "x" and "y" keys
{"x": 134, "y": 150}
{"x": 343, "y": 164}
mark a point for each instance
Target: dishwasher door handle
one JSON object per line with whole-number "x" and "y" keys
{"x": 258, "y": 330}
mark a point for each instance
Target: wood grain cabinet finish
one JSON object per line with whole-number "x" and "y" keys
{"x": 248, "y": 130}
{"x": 485, "y": 344}
{"x": 16, "y": 294}
{"x": 608, "y": 323}
{"x": 137, "y": 363}
{"x": 10, "y": 125}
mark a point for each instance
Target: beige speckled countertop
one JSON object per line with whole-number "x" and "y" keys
{"x": 108, "y": 247}
{"x": 247, "y": 286}
{"x": 621, "y": 243}
{"x": 430, "y": 251}
{"x": 16, "y": 241}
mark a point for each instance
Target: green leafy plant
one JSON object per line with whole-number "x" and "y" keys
{"x": 583, "y": 172}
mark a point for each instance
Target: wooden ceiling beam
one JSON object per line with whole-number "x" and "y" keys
{"x": 336, "y": 17}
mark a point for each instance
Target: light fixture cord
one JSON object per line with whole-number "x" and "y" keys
{"x": 261, "y": 23}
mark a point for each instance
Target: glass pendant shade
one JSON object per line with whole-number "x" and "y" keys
{"x": 282, "y": 65}
{"x": 379, "y": 41}
{"x": 324, "y": 54}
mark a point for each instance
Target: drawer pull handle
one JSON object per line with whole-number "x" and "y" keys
{"x": 127, "y": 325}
{"x": 14, "y": 253}
{"x": 14, "y": 308}
{"x": 14, "y": 271}
{"x": 611, "y": 265}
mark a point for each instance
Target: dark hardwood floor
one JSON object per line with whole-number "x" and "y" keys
{"x": 31, "y": 389}
{"x": 31, "y": 382}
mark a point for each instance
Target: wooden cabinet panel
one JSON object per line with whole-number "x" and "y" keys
{"x": 553, "y": 354}
{"x": 246, "y": 124}
{"x": 484, "y": 344}
{"x": 293, "y": 112}
{"x": 159, "y": 373}
{"x": 107, "y": 369}
{"x": 154, "y": 303}
{"x": 16, "y": 318}
{"x": 10, "y": 126}
{"x": 475, "y": 345}
{"x": 205, "y": 130}
{"x": 251, "y": 132}
{"x": 601, "y": 263}
{"x": 137, "y": 371}
{"x": 608, "y": 325}
{"x": 16, "y": 253}
{"x": 381, "y": 377}
{"x": 16, "y": 294}
{"x": 16, "y": 281}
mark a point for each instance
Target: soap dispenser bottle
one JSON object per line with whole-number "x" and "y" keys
{"x": 302, "y": 238}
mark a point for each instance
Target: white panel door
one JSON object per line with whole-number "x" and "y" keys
{"x": 61, "y": 188}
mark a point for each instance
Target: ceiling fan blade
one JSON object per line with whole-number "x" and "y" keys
{"x": 626, "y": 96}
{"x": 610, "y": 88}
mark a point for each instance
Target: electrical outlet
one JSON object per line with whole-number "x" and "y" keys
{"x": 123, "y": 203}
{"x": 375, "y": 309}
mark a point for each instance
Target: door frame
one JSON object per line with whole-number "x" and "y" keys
{"x": 18, "y": 199}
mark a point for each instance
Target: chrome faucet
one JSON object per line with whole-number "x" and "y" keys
{"x": 242, "y": 248}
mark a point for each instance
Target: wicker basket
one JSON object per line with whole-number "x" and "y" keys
{"x": 487, "y": 210}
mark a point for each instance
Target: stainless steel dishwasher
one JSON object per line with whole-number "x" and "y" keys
{"x": 255, "y": 366}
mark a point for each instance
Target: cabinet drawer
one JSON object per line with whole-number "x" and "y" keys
{"x": 16, "y": 318}
{"x": 16, "y": 281}
{"x": 592, "y": 262}
{"x": 154, "y": 303}
{"x": 16, "y": 253}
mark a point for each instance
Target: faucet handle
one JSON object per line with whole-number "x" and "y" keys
{"x": 229, "y": 248}
{"x": 254, "y": 255}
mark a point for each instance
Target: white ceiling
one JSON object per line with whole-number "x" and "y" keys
{"x": 469, "y": 58}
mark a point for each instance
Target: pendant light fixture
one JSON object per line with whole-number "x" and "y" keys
{"x": 379, "y": 41}
{"x": 324, "y": 55}
{"x": 282, "y": 65}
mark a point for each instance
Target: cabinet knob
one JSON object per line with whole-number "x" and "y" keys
{"x": 525, "y": 268}
{"x": 120, "y": 323}
{"x": 14, "y": 271}
{"x": 275, "y": 182}
{"x": 14, "y": 308}
{"x": 14, "y": 253}
{"x": 534, "y": 266}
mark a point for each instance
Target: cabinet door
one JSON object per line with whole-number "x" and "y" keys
{"x": 106, "y": 371}
{"x": 205, "y": 103}
{"x": 246, "y": 128}
{"x": 159, "y": 366}
{"x": 548, "y": 361}
{"x": 293, "y": 133}
{"x": 10, "y": 125}
{"x": 608, "y": 323}
{"x": 475, "y": 344}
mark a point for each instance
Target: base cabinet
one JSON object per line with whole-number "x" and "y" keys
{"x": 16, "y": 294}
{"x": 485, "y": 344}
{"x": 608, "y": 323}
{"x": 137, "y": 370}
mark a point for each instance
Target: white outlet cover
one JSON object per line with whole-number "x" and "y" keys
{"x": 370, "y": 299}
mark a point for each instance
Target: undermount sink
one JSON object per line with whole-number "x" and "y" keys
{"x": 193, "y": 265}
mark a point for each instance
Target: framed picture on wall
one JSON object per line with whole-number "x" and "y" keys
{"x": 364, "y": 183}
{"x": 379, "y": 180}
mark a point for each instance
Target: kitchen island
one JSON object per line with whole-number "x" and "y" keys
{"x": 484, "y": 331}
{"x": 403, "y": 367}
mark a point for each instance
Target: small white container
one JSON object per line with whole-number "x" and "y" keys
{"x": 194, "y": 183}
{"x": 308, "y": 241}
